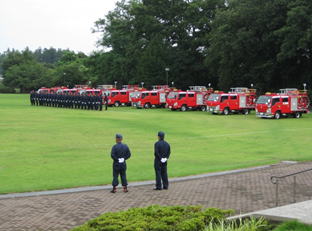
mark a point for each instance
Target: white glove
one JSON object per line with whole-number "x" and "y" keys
{"x": 121, "y": 160}
{"x": 163, "y": 160}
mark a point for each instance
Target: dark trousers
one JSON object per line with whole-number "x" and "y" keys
{"x": 119, "y": 170}
{"x": 161, "y": 174}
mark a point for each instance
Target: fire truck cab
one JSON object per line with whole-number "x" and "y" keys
{"x": 154, "y": 98}
{"x": 239, "y": 99}
{"x": 289, "y": 102}
{"x": 118, "y": 97}
{"x": 184, "y": 100}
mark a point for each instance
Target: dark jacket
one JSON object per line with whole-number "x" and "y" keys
{"x": 120, "y": 150}
{"x": 162, "y": 150}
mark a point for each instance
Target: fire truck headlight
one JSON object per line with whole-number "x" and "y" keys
{"x": 175, "y": 104}
{"x": 268, "y": 111}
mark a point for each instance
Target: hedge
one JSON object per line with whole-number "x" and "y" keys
{"x": 156, "y": 218}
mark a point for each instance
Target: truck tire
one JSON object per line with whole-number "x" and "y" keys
{"x": 246, "y": 112}
{"x": 183, "y": 108}
{"x": 147, "y": 106}
{"x": 277, "y": 115}
{"x": 297, "y": 115}
{"x": 117, "y": 104}
{"x": 226, "y": 111}
{"x": 203, "y": 108}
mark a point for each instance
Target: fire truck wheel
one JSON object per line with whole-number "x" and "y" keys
{"x": 117, "y": 104}
{"x": 246, "y": 112}
{"x": 147, "y": 106}
{"x": 226, "y": 111}
{"x": 203, "y": 108}
{"x": 183, "y": 108}
{"x": 277, "y": 115}
{"x": 297, "y": 115}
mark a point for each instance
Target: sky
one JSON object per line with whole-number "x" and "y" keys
{"x": 65, "y": 24}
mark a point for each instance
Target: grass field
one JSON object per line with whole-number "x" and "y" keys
{"x": 48, "y": 148}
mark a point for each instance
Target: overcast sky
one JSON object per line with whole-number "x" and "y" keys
{"x": 51, "y": 23}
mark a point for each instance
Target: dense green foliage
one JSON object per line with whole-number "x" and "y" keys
{"x": 29, "y": 70}
{"x": 293, "y": 226}
{"x": 156, "y": 218}
{"x": 50, "y": 148}
{"x": 224, "y": 42}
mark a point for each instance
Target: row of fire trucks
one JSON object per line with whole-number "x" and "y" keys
{"x": 288, "y": 102}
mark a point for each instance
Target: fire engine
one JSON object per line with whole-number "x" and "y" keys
{"x": 191, "y": 99}
{"x": 239, "y": 99}
{"x": 154, "y": 98}
{"x": 44, "y": 90}
{"x": 289, "y": 102}
{"x": 118, "y": 97}
{"x": 92, "y": 91}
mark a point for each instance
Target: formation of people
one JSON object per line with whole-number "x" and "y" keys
{"x": 68, "y": 100}
{"x": 121, "y": 152}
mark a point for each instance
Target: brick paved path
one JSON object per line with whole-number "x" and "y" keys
{"x": 244, "y": 192}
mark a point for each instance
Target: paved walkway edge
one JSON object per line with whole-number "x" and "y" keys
{"x": 301, "y": 212}
{"x": 133, "y": 184}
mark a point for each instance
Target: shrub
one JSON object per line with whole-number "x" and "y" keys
{"x": 156, "y": 218}
{"x": 293, "y": 226}
{"x": 4, "y": 89}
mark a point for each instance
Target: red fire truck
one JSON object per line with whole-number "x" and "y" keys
{"x": 289, "y": 102}
{"x": 118, "y": 97}
{"x": 154, "y": 98}
{"x": 191, "y": 99}
{"x": 239, "y": 99}
{"x": 92, "y": 91}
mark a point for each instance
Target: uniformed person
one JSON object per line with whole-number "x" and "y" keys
{"x": 105, "y": 101}
{"x": 100, "y": 102}
{"x": 120, "y": 153}
{"x": 32, "y": 98}
{"x": 162, "y": 153}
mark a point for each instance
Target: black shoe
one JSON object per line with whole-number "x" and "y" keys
{"x": 114, "y": 190}
{"x": 157, "y": 189}
{"x": 165, "y": 188}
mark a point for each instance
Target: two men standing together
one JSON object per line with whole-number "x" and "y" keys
{"x": 121, "y": 152}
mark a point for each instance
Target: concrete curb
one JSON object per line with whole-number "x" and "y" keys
{"x": 132, "y": 184}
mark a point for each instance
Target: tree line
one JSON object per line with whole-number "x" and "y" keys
{"x": 223, "y": 42}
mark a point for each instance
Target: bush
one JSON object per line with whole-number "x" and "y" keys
{"x": 156, "y": 218}
{"x": 4, "y": 89}
{"x": 293, "y": 226}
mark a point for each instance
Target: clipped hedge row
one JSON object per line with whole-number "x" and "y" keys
{"x": 156, "y": 218}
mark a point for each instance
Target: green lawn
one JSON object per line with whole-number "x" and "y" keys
{"x": 48, "y": 148}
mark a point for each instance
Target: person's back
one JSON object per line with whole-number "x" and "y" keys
{"x": 161, "y": 152}
{"x": 120, "y": 153}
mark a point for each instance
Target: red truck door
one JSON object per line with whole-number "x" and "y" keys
{"x": 234, "y": 101}
{"x": 285, "y": 104}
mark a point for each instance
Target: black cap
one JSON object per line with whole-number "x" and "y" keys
{"x": 161, "y": 134}
{"x": 118, "y": 136}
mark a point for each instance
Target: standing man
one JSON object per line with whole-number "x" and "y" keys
{"x": 105, "y": 101}
{"x": 162, "y": 153}
{"x": 120, "y": 153}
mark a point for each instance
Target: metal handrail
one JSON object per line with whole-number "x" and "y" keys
{"x": 275, "y": 180}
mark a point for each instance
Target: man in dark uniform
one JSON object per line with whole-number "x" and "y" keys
{"x": 120, "y": 153}
{"x": 105, "y": 101}
{"x": 32, "y": 98}
{"x": 100, "y": 102}
{"x": 162, "y": 153}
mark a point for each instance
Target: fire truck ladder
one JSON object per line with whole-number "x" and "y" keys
{"x": 275, "y": 180}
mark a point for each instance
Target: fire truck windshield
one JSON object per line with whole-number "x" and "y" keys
{"x": 114, "y": 93}
{"x": 172, "y": 95}
{"x": 144, "y": 95}
{"x": 214, "y": 97}
{"x": 182, "y": 95}
{"x": 264, "y": 99}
